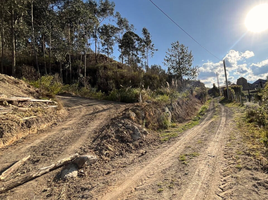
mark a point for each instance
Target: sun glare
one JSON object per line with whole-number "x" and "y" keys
{"x": 257, "y": 18}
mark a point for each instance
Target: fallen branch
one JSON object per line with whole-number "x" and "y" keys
{"x": 79, "y": 160}
{"x": 13, "y": 168}
{"x": 41, "y": 100}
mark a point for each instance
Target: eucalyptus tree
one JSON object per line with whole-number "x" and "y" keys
{"x": 70, "y": 13}
{"x": 108, "y": 38}
{"x": 3, "y": 16}
{"x": 44, "y": 18}
{"x": 87, "y": 22}
{"x": 130, "y": 47}
{"x": 148, "y": 46}
{"x": 179, "y": 60}
{"x": 16, "y": 11}
{"x": 123, "y": 27}
{"x": 104, "y": 10}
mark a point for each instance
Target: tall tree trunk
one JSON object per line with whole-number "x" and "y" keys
{"x": 61, "y": 71}
{"x": 50, "y": 43}
{"x": 44, "y": 54}
{"x": 96, "y": 40}
{"x": 147, "y": 55}
{"x": 33, "y": 39}
{"x": 85, "y": 64}
{"x": 70, "y": 57}
{"x": 12, "y": 22}
{"x": 2, "y": 39}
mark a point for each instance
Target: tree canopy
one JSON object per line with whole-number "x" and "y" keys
{"x": 179, "y": 60}
{"x": 68, "y": 37}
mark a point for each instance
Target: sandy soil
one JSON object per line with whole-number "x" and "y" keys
{"x": 199, "y": 164}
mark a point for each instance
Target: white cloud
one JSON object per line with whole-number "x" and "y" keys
{"x": 260, "y": 69}
{"x": 233, "y": 68}
{"x": 242, "y": 70}
{"x": 248, "y": 54}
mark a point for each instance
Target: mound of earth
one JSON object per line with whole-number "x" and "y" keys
{"x": 20, "y": 113}
{"x": 135, "y": 128}
{"x": 10, "y": 87}
{"x": 122, "y": 136}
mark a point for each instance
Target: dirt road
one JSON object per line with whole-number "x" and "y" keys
{"x": 161, "y": 176}
{"x": 195, "y": 165}
{"x": 85, "y": 118}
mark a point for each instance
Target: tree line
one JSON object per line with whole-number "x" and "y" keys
{"x": 56, "y": 36}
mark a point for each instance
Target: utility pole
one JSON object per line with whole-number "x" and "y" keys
{"x": 217, "y": 74}
{"x": 226, "y": 79}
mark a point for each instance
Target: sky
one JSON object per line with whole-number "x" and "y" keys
{"x": 218, "y": 25}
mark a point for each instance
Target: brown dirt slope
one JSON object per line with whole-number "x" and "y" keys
{"x": 10, "y": 86}
{"x": 20, "y": 117}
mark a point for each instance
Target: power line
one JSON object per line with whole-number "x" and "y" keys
{"x": 184, "y": 30}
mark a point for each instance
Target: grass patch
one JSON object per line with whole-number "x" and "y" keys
{"x": 160, "y": 190}
{"x": 193, "y": 155}
{"x": 182, "y": 158}
{"x": 175, "y": 129}
{"x": 166, "y": 184}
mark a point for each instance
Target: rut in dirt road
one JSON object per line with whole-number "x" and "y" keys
{"x": 149, "y": 173}
{"x": 202, "y": 181}
{"x": 85, "y": 118}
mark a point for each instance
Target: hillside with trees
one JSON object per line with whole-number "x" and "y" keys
{"x": 76, "y": 40}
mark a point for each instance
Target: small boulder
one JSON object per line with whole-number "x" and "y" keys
{"x": 70, "y": 171}
{"x": 83, "y": 160}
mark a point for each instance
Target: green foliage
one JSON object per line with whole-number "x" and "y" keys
{"x": 182, "y": 158}
{"x": 51, "y": 84}
{"x": 163, "y": 99}
{"x": 215, "y": 92}
{"x": 257, "y": 116}
{"x": 128, "y": 95}
{"x": 203, "y": 110}
{"x": 164, "y": 122}
{"x": 183, "y": 66}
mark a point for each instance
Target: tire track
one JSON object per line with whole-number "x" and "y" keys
{"x": 122, "y": 188}
{"x": 202, "y": 181}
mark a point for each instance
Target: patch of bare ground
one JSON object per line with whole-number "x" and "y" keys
{"x": 162, "y": 171}
{"x": 21, "y": 114}
{"x": 244, "y": 173}
{"x": 129, "y": 166}
{"x": 85, "y": 118}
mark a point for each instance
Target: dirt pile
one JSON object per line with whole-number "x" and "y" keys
{"x": 121, "y": 136}
{"x": 20, "y": 113}
{"x": 10, "y": 86}
{"x": 135, "y": 128}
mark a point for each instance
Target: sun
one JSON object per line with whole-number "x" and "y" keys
{"x": 257, "y": 18}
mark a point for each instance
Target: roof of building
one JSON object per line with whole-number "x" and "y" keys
{"x": 260, "y": 80}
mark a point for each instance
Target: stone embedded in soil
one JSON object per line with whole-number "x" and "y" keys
{"x": 136, "y": 134}
{"x": 168, "y": 113}
{"x": 83, "y": 160}
{"x": 70, "y": 171}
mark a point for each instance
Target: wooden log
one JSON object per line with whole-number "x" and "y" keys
{"x": 11, "y": 99}
{"x": 41, "y": 100}
{"x": 14, "y": 167}
{"x": 39, "y": 173}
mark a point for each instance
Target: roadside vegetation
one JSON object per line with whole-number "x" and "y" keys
{"x": 67, "y": 47}
{"x": 177, "y": 128}
{"x": 252, "y": 123}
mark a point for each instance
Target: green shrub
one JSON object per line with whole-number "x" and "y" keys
{"x": 258, "y": 116}
{"x": 128, "y": 95}
{"x": 203, "y": 110}
{"x": 164, "y": 99}
{"x": 51, "y": 84}
{"x": 163, "y": 122}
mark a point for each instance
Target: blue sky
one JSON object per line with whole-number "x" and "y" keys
{"x": 217, "y": 24}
